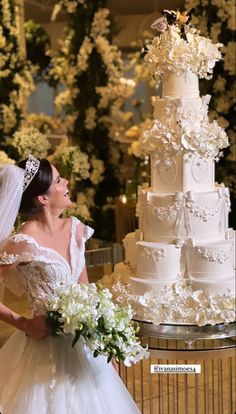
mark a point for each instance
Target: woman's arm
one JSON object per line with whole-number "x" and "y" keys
{"x": 35, "y": 327}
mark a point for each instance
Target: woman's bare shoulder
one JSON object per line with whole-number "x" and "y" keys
{"x": 28, "y": 227}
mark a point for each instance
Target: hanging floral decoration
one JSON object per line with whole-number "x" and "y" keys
{"x": 37, "y": 45}
{"x": 90, "y": 68}
{"x": 30, "y": 140}
{"x": 16, "y": 81}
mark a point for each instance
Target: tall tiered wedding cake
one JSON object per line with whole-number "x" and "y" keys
{"x": 179, "y": 264}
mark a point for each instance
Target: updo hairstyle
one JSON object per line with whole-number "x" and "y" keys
{"x": 38, "y": 186}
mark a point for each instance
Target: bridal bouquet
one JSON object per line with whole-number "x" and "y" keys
{"x": 88, "y": 312}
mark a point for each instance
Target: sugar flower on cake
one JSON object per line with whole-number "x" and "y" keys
{"x": 172, "y": 52}
{"x": 178, "y": 304}
{"x": 190, "y": 133}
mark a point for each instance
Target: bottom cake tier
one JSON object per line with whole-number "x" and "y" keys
{"x": 206, "y": 266}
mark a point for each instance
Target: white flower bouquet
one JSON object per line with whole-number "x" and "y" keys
{"x": 88, "y": 312}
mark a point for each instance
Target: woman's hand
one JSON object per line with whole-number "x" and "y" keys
{"x": 36, "y": 327}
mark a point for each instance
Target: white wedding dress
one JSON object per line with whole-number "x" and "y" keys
{"x": 49, "y": 376}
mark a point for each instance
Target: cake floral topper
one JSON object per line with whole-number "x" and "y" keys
{"x": 179, "y": 48}
{"x": 172, "y": 17}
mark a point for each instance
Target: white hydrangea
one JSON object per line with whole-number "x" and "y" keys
{"x": 229, "y": 57}
{"x": 8, "y": 118}
{"x": 4, "y": 159}
{"x": 69, "y": 5}
{"x": 97, "y": 170}
{"x": 73, "y": 162}
{"x": 80, "y": 211}
{"x": 215, "y": 31}
{"x": 111, "y": 57}
{"x": 83, "y": 55}
{"x": 219, "y": 84}
{"x": 100, "y": 24}
{"x": 2, "y": 38}
{"x": 30, "y": 141}
{"x": 90, "y": 119}
{"x": 65, "y": 98}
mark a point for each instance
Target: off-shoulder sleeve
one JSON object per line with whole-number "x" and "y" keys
{"x": 14, "y": 252}
{"x": 87, "y": 232}
{"x": 83, "y": 232}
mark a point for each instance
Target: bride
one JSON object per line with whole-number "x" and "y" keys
{"x": 41, "y": 374}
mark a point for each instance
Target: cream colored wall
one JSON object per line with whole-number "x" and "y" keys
{"x": 130, "y": 29}
{"x": 55, "y": 31}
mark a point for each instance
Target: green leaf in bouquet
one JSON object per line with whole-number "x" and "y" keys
{"x": 54, "y": 323}
{"x": 136, "y": 326}
{"x": 76, "y": 338}
{"x": 96, "y": 353}
{"x": 109, "y": 358}
{"x": 97, "y": 335}
{"x": 123, "y": 336}
{"x": 101, "y": 322}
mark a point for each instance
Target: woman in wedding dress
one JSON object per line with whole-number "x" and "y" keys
{"x": 41, "y": 374}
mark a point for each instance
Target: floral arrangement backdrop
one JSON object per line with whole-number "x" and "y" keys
{"x": 37, "y": 44}
{"x": 90, "y": 118}
{"x": 216, "y": 19}
{"x": 16, "y": 82}
{"x": 91, "y": 71}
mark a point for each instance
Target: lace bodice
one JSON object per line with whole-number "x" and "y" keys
{"x": 40, "y": 270}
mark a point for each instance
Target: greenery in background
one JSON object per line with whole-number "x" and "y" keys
{"x": 216, "y": 19}
{"x": 37, "y": 44}
{"x": 90, "y": 69}
{"x": 15, "y": 76}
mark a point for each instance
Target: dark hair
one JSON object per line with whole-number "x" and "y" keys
{"x": 38, "y": 186}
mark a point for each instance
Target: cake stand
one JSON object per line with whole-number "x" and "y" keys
{"x": 210, "y": 392}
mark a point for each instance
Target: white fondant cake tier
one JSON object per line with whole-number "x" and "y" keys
{"x": 185, "y": 85}
{"x": 161, "y": 262}
{"x": 141, "y": 286}
{"x": 124, "y": 271}
{"x": 210, "y": 287}
{"x": 169, "y": 110}
{"x": 182, "y": 173}
{"x": 130, "y": 250}
{"x": 167, "y": 217}
{"x": 210, "y": 261}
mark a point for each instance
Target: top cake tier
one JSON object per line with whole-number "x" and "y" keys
{"x": 185, "y": 85}
{"x": 181, "y": 128}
